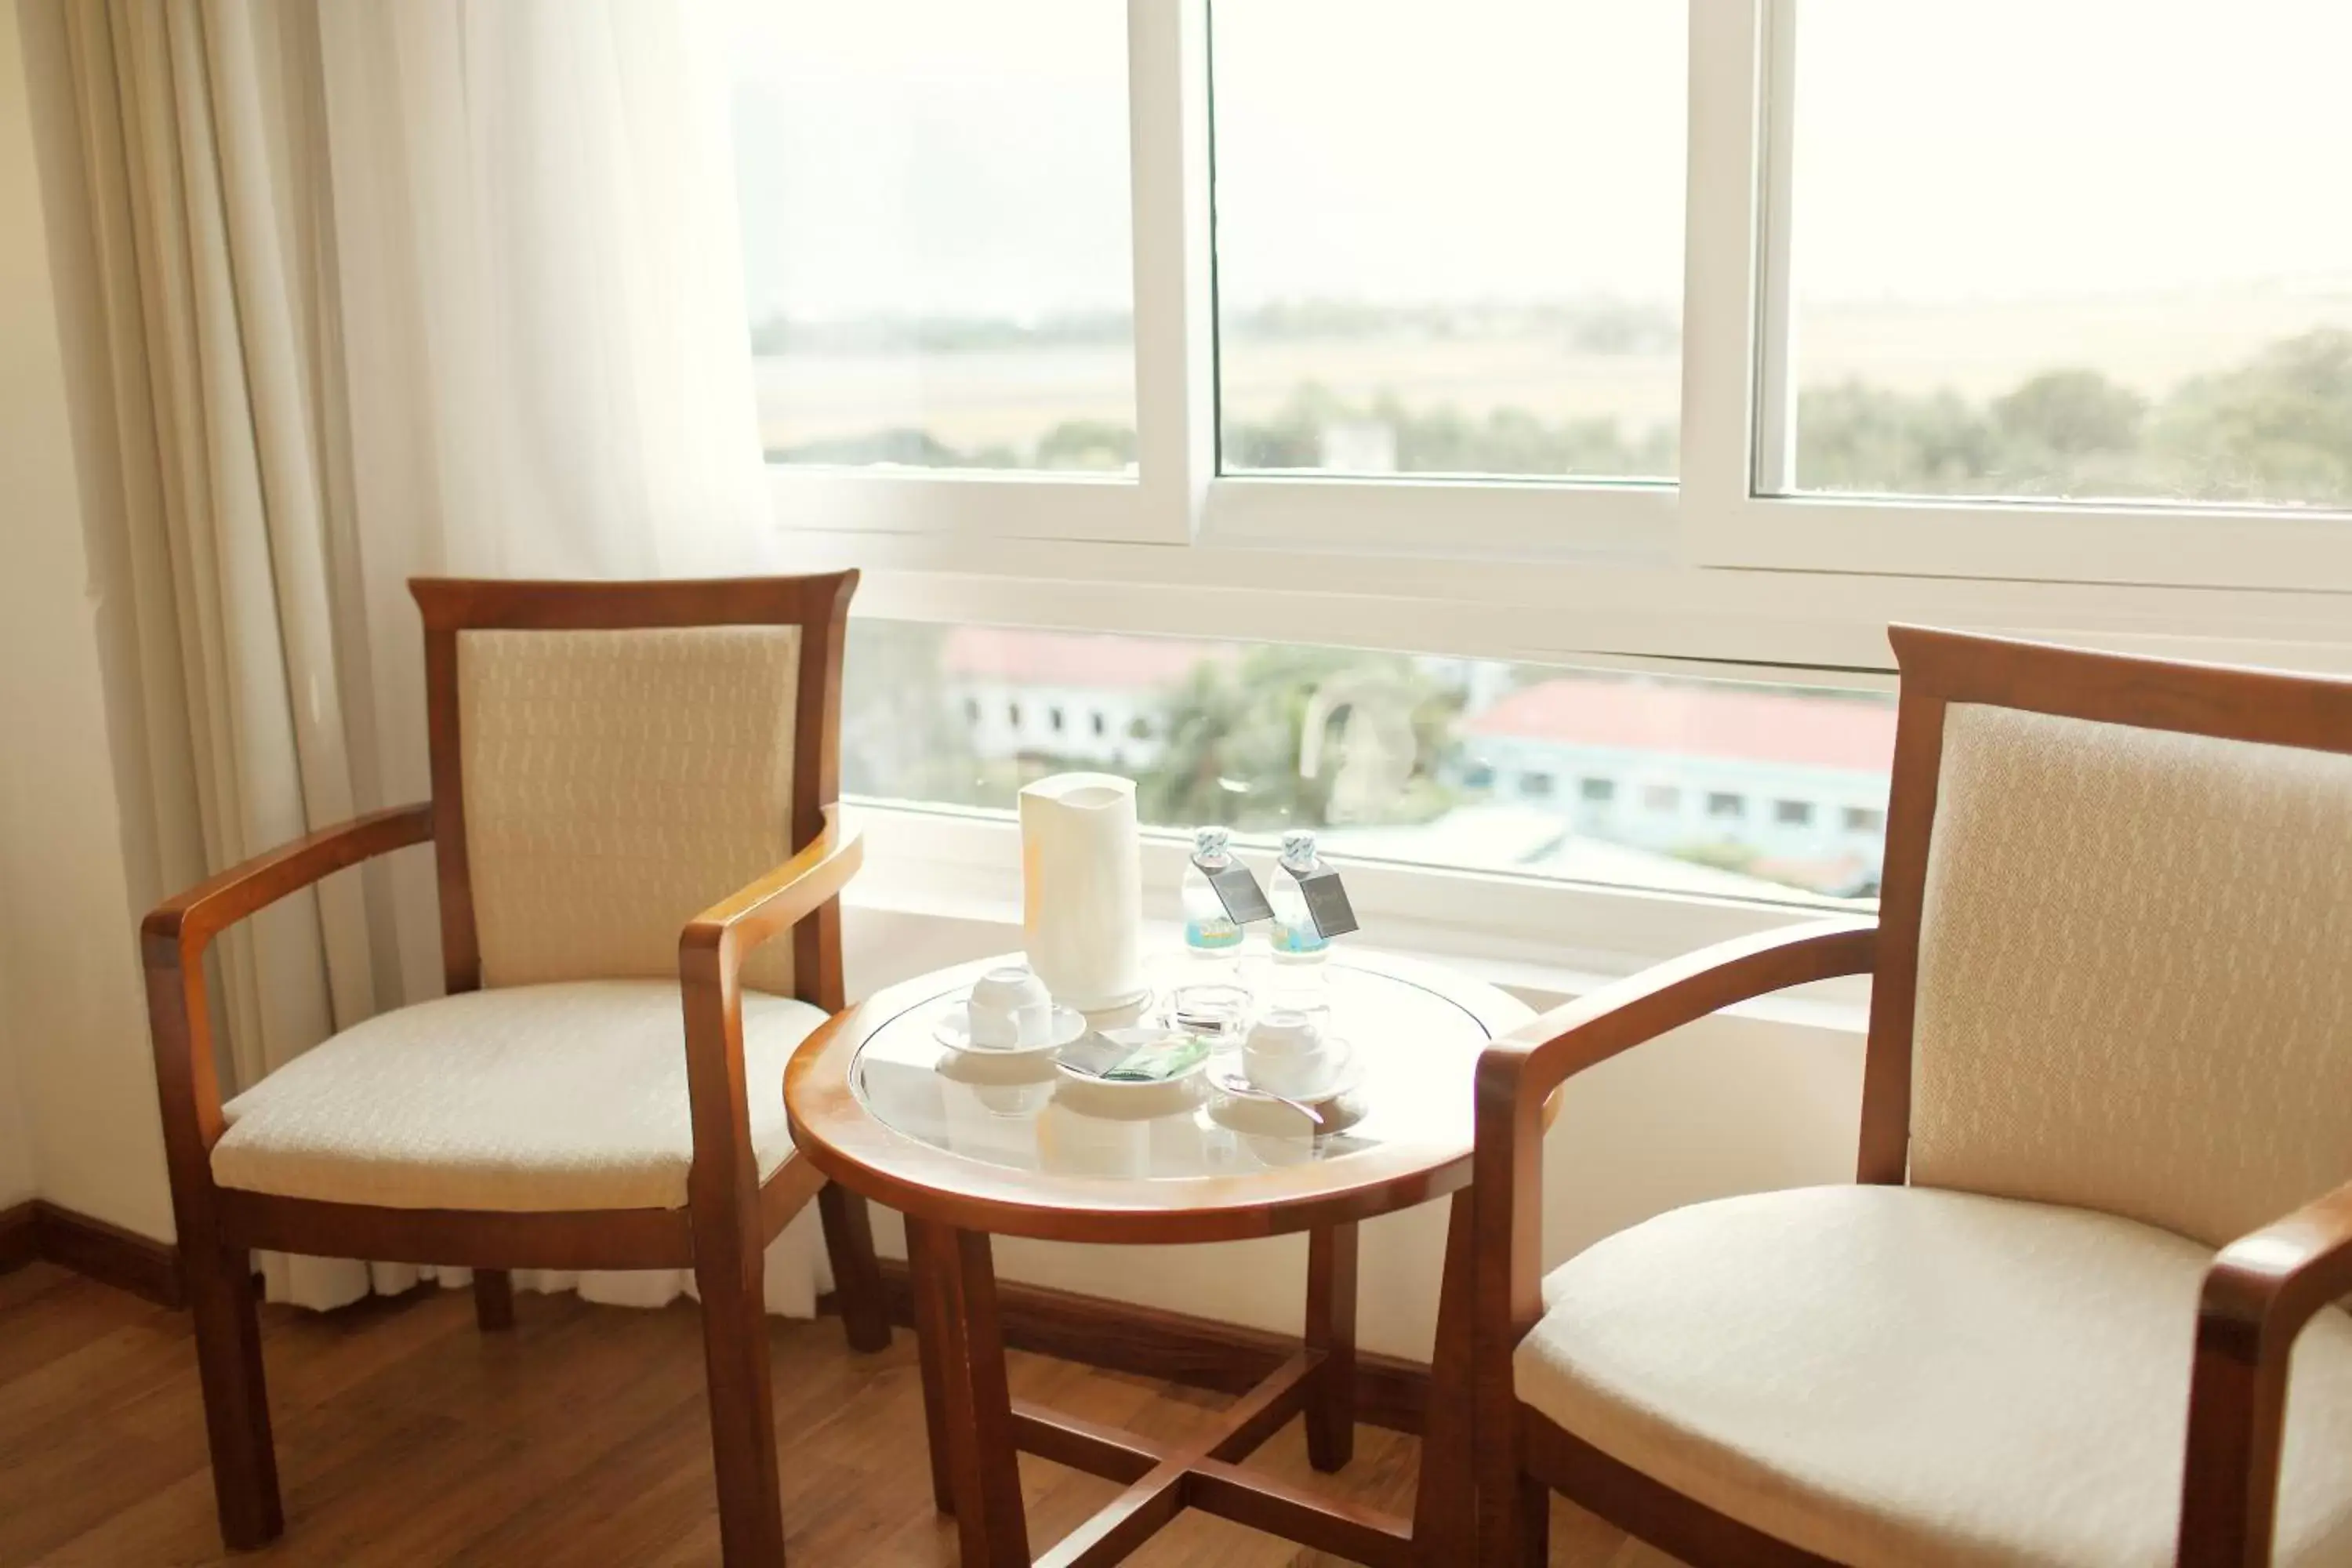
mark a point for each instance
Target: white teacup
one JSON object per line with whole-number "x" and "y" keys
{"x": 1010, "y": 1009}
{"x": 1286, "y": 1053}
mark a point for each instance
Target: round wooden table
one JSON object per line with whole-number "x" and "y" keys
{"x": 967, "y": 1145}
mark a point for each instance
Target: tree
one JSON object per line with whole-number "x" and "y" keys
{"x": 2278, "y": 428}
{"x": 897, "y": 736}
{"x": 1444, "y": 440}
{"x": 1232, "y": 730}
{"x": 1293, "y": 437}
{"x": 1857, "y": 436}
{"x": 1087, "y": 444}
{"x": 2071, "y": 412}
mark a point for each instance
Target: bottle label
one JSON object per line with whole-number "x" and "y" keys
{"x": 1237, "y": 889}
{"x": 1327, "y": 901}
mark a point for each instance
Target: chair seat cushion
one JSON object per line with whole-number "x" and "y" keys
{"x": 526, "y": 1098}
{"x": 1889, "y": 1376}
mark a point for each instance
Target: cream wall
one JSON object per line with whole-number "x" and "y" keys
{"x": 70, "y": 1006}
{"x": 17, "y": 1179}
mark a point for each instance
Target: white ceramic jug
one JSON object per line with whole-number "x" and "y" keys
{"x": 1082, "y": 888}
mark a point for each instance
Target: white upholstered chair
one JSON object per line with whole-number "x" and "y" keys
{"x": 2078, "y": 1308}
{"x": 633, "y": 792}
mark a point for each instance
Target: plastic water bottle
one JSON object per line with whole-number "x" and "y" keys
{"x": 1297, "y": 944}
{"x": 1209, "y": 930}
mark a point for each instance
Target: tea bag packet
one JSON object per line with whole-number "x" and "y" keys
{"x": 1170, "y": 1058}
{"x": 1132, "y": 1056}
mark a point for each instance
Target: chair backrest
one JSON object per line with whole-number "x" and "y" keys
{"x": 611, "y": 759}
{"x": 2115, "y": 964}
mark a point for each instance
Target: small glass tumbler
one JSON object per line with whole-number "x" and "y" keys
{"x": 1216, "y": 1010}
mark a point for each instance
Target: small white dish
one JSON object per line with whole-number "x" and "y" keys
{"x": 954, "y": 1031}
{"x": 1343, "y": 1075}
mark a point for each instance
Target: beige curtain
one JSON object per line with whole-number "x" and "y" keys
{"x": 390, "y": 288}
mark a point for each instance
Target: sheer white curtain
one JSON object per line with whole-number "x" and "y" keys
{"x": 396, "y": 287}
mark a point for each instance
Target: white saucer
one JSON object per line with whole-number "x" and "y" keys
{"x": 1229, "y": 1077}
{"x": 954, "y": 1031}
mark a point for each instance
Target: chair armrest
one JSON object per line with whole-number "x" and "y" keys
{"x": 2271, "y": 1283}
{"x": 2259, "y": 1294}
{"x": 1517, "y": 1072}
{"x": 192, "y": 920}
{"x": 719, "y": 938}
{"x": 173, "y": 936}
{"x": 724, "y": 1178}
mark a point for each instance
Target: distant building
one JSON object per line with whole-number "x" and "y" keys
{"x": 1733, "y": 783}
{"x": 1790, "y": 784}
{"x": 1072, "y": 695}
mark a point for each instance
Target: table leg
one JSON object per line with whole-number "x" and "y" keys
{"x": 983, "y": 1465}
{"x": 1331, "y": 1332}
{"x": 930, "y": 1341}
{"x": 1446, "y": 1510}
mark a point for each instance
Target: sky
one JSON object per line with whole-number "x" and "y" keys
{"x": 943, "y": 157}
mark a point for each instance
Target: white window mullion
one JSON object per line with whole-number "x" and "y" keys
{"x": 1719, "y": 271}
{"x": 1776, "y": 315}
{"x": 1175, "y": 329}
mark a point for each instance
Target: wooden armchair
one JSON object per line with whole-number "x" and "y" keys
{"x": 2110, "y": 1030}
{"x": 607, "y": 759}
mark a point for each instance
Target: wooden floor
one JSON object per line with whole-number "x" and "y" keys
{"x": 407, "y": 1437}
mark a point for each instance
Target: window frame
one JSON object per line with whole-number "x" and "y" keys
{"x": 1710, "y": 575}
{"x": 1721, "y": 516}
{"x": 1740, "y": 394}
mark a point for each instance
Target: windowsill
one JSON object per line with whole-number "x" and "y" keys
{"x": 1545, "y": 942}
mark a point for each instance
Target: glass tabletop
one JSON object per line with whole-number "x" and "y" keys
{"x": 1402, "y": 1067}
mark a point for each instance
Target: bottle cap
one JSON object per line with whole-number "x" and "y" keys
{"x": 1298, "y": 846}
{"x": 1208, "y": 843}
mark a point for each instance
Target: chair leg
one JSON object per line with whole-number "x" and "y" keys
{"x": 237, "y": 1401}
{"x": 493, "y": 1300}
{"x": 1514, "y": 1520}
{"x": 743, "y": 1411}
{"x": 1514, "y": 1509}
{"x": 1533, "y": 1521}
{"x": 856, "y": 1275}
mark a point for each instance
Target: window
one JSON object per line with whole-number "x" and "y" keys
{"x": 934, "y": 206}
{"x": 1661, "y": 798}
{"x": 1366, "y": 747}
{"x": 1500, "y": 329}
{"x": 2093, "y": 267}
{"x": 1450, "y": 248}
